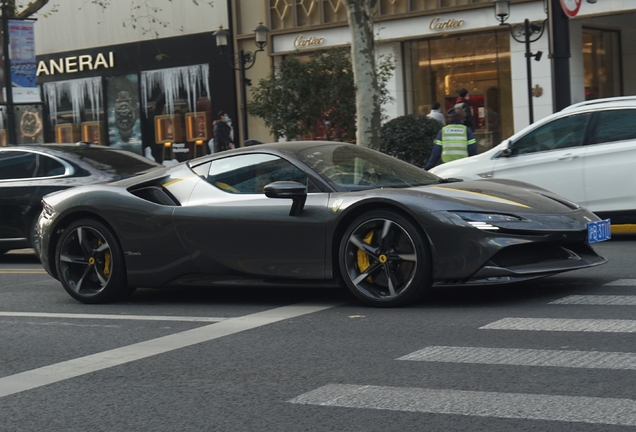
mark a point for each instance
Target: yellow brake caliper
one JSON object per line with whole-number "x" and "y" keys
{"x": 106, "y": 260}
{"x": 363, "y": 257}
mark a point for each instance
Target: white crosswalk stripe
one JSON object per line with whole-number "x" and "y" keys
{"x": 565, "y": 325}
{"x": 473, "y": 403}
{"x": 598, "y": 300}
{"x": 525, "y": 357}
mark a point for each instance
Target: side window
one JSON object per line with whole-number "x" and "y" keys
{"x": 249, "y": 174}
{"x": 558, "y": 134}
{"x": 48, "y": 167}
{"x": 17, "y": 165}
{"x": 615, "y": 125}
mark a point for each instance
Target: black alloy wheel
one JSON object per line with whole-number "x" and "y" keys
{"x": 90, "y": 263}
{"x": 384, "y": 260}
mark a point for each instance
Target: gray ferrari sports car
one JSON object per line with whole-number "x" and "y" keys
{"x": 309, "y": 213}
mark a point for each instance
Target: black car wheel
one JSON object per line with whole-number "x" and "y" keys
{"x": 384, "y": 260}
{"x": 90, "y": 263}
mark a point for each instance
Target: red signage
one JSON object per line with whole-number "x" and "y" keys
{"x": 571, "y": 7}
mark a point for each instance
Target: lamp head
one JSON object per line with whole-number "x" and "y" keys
{"x": 261, "y": 35}
{"x": 502, "y": 9}
{"x": 221, "y": 36}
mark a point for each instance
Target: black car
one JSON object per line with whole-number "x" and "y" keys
{"x": 27, "y": 173}
{"x": 306, "y": 213}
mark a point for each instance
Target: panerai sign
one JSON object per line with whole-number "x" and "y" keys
{"x": 301, "y": 42}
{"x": 438, "y": 24}
{"x": 76, "y": 64}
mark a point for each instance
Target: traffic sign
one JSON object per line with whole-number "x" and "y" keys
{"x": 571, "y": 7}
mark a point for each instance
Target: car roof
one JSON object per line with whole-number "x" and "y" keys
{"x": 615, "y": 102}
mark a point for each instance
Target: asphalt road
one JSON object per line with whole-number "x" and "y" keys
{"x": 555, "y": 354}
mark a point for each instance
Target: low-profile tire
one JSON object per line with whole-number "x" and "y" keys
{"x": 384, "y": 260}
{"x": 90, "y": 264}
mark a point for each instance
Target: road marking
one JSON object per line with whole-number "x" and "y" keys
{"x": 622, "y": 282}
{"x": 598, "y": 300}
{"x": 23, "y": 271}
{"x": 474, "y": 403}
{"x": 562, "y": 324}
{"x": 112, "y": 317}
{"x": 525, "y": 357}
{"x": 83, "y": 365}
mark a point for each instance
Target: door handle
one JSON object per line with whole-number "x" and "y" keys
{"x": 568, "y": 156}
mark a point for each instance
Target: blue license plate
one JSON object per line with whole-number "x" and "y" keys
{"x": 599, "y": 231}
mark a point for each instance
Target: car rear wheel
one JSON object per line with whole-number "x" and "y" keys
{"x": 384, "y": 260}
{"x": 90, "y": 263}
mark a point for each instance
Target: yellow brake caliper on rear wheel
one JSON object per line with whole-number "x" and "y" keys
{"x": 363, "y": 257}
{"x": 106, "y": 260}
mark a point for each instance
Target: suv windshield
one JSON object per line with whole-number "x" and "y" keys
{"x": 350, "y": 167}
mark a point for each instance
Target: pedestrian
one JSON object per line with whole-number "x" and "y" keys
{"x": 435, "y": 114}
{"x": 222, "y": 133}
{"x": 468, "y": 111}
{"x": 454, "y": 141}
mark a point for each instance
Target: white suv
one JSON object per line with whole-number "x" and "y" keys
{"x": 586, "y": 153}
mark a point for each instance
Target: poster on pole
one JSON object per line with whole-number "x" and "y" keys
{"x": 23, "y": 66}
{"x": 571, "y": 7}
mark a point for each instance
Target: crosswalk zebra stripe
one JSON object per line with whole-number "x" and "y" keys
{"x": 525, "y": 357}
{"x": 598, "y": 300}
{"x": 563, "y": 324}
{"x": 475, "y": 403}
{"x": 622, "y": 282}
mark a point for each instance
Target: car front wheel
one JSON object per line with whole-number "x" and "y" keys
{"x": 384, "y": 260}
{"x": 90, "y": 263}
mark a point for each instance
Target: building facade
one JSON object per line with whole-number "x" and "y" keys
{"x": 153, "y": 86}
{"x": 442, "y": 46}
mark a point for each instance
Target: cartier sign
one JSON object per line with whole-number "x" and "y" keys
{"x": 438, "y": 24}
{"x": 301, "y": 42}
{"x": 76, "y": 64}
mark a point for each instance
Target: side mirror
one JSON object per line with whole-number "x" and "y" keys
{"x": 295, "y": 191}
{"x": 506, "y": 152}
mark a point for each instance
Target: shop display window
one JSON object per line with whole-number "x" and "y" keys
{"x": 93, "y": 132}
{"x": 168, "y": 129}
{"x": 67, "y": 133}
{"x": 199, "y": 126}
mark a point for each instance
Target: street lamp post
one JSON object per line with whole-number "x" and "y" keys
{"x": 244, "y": 61}
{"x": 526, "y": 33}
{"x": 11, "y": 136}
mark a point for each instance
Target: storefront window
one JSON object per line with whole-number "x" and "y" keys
{"x": 76, "y": 110}
{"x": 335, "y": 11}
{"x": 601, "y": 63}
{"x": 281, "y": 13}
{"x": 177, "y": 106}
{"x": 308, "y": 12}
{"x": 393, "y": 7}
{"x": 479, "y": 63}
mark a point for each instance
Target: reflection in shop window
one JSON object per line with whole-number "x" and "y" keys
{"x": 479, "y": 63}
{"x": 393, "y": 7}
{"x": 601, "y": 63}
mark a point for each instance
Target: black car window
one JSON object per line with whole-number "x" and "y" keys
{"x": 17, "y": 165}
{"x": 558, "y": 134}
{"x": 118, "y": 163}
{"x": 615, "y": 125}
{"x": 248, "y": 174}
{"x": 48, "y": 167}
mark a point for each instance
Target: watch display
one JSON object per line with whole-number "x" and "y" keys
{"x": 125, "y": 115}
{"x": 30, "y": 123}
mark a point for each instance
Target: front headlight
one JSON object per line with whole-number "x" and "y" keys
{"x": 486, "y": 221}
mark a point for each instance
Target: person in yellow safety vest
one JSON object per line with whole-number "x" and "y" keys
{"x": 454, "y": 141}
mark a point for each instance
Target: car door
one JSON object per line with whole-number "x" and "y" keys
{"x": 610, "y": 162}
{"x": 230, "y": 227}
{"x": 549, "y": 156}
{"x": 23, "y": 182}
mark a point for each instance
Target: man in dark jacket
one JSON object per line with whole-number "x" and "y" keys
{"x": 222, "y": 133}
{"x": 468, "y": 111}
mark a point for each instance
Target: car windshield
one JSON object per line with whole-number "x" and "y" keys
{"x": 351, "y": 167}
{"x": 118, "y": 163}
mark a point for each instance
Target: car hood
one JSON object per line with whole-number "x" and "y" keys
{"x": 496, "y": 195}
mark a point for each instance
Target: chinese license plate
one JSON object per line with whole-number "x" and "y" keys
{"x": 599, "y": 231}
